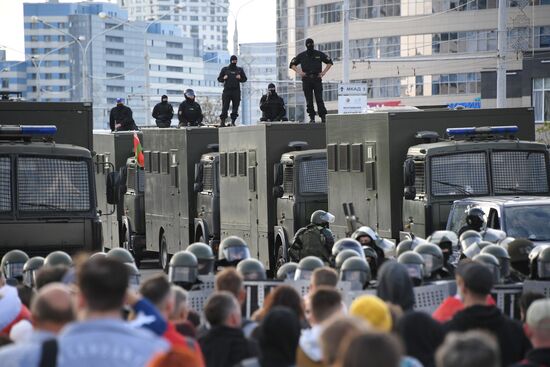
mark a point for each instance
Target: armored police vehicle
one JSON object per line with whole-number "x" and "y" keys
{"x": 366, "y": 155}
{"x": 47, "y": 193}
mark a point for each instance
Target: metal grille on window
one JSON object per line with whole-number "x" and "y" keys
{"x": 52, "y": 184}
{"x": 419, "y": 176}
{"x": 314, "y": 176}
{"x": 5, "y": 184}
{"x": 288, "y": 179}
{"x": 519, "y": 172}
{"x": 131, "y": 178}
{"x": 459, "y": 174}
{"x": 208, "y": 177}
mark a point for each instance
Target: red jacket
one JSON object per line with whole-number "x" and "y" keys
{"x": 178, "y": 340}
{"x": 451, "y": 305}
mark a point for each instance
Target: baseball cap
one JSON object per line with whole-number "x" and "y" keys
{"x": 119, "y": 100}
{"x": 477, "y": 277}
{"x": 373, "y": 310}
{"x": 538, "y": 314}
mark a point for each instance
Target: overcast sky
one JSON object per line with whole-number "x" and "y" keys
{"x": 256, "y": 22}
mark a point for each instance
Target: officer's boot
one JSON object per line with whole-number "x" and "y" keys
{"x": 233, "y": 122}
{"x": 323, "y": 119}
{"x": 312, "y": 119}
{"x": 222, "y": 124}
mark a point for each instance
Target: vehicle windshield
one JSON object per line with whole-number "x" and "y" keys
{"x": 519, "y": 172}
{"x": 528, "y": 222}
{"x": 313, "y": 176}
{"x": 462, "y": 174}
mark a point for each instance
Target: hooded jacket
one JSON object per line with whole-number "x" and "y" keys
{"x": 511, "y": 338}
{"x": 223, "y": 346}
{"x": 232, "y": 83}
{"x": 163, "y": 111}
{"x": 421, "y": 335}
{"x": 395, "y": 286}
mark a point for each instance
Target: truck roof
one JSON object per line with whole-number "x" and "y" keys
{"x": 43, "y": 148}
{"x": 508, "y": 200}
{"x": 469, "y": 145}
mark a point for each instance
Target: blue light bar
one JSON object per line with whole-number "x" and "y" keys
{"x": 482, "y": 130}
{"x": 28, "y": 129}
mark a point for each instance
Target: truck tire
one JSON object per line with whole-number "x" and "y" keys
{"x": 164, "y": 257}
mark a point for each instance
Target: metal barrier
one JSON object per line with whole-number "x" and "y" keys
{"x": 537, "y": 286}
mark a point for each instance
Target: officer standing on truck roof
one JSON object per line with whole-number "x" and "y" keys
{"x": 231, "y": 76}
{"x": 312, "y": 75}
{"x": 316, "y": 239}
{"x": 163, "y": 112}
{"x": 272, "y": 105}
{"x": 190, "y": 112}
{"x": 120, "y": 118}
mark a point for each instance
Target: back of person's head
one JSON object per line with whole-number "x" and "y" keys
{"x": 474, "y": 279}
{"x": 180, "y": 303}
{"x": 230, "y": 280}
{"x": 335, "y": 331}
{"x": 538, "y": 323}
{"x": 53, "y": 307}
{"x": 421, "y": 335}
{"x": 325, "y": 302}
{"x": 157, "y": 290}
{"x": 194, "y": 318}
{"x": 395, "y": 285}
{"x": 324, "y": 277}
{"x": 371, "y": 349}
{"x": 103, "y": 283}
{"x": 471, "y": 349}
{"x": 526, "y": 299}
{"x": 47, "y": 275}
{"x": 222, "y": 309}
{"x": 278, "y": 337}
{"x": 286, "y": 296}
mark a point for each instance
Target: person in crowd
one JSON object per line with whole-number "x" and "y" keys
{"x": 180, "y": 313}
{"x": 272, "y": 105}
{"x": 323, "y": 277}
{"x": 471, "y": 349}
{"x": 374, "y": 311}
{"x": 334, "y": 332}
{"x": 526, "y": 299}
{"x": 371, "y": 349}
{"x": 231, "y": 76}
{"x": 474, "y": 284}
{"x": 224, "y": 344}
{"x": 175, "y": 357}
{"x": 278, "y": 338}
{"x": 395, "y": 285}
{"x": 283, "y": 295}
{"x": 325, "y": 303}
{"x": 421, "y": 336}
{"x": 537, "y": 329}
{"x": 163, "y": 112}
{"x": 189, "y": 111}
{"x": 158, "y": 291}
{"x": 51, "y": 274}
{"x": 120, "y": 117}
{"x": 52, "y": 309}
{"x": 12, "y": 310}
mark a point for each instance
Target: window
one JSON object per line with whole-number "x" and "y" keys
{"x": 313, "y": 177}
{"x": 114, "y": 64}
{"x": 115, "y": 88}
{"x": 5, "y": 83}
{"x": 519, "y": 172}
{"x": 452, "y": 84}
{"x": 114, "y": 39}
{"x": 174, "y": 44}
{"x": 115, "y": 76}
{"x": 459, "y": 174}
{"x": 541, "y": 99}
{"x": 114, "y": 51}
{"x": 174, "y": 81}
{"x": 177, "y": 69}
{"x": 326, "y": 13}
{"x": 174, "y": 57}
{"x": 332, "y": 49}
{"x": 5, "y": 184}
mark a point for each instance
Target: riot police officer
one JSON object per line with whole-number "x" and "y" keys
{"x": 433, "y": 261}
{"x": 287, "y": 271}
{"x": 343, "y": 256}
{"x": 189, "y": 111}
{"x": 205, "y": 257}
{"x": 368, "y": 237}
{"x": 231, "y": 76}
{"x": 30, "y": 269}
{"x": 519, "y": 251}
{"x": 543, "y": 264}
{"x": 415, "y": 266}
{"x": 492, "y": 264}
{"x": 120, "y": 117}
{"x": 306, "y": 266}
{"x": 232, "y": 250}
{"x": 447, "y": 241}
{"x": 134, "y": 277}
{"x": 503, "y": 258}
{"x": 122, "y": 255}
{"x": 272, "y": 106}
{"x": 13, "y": 263}
{"x": 475, "y": 220}
{"x": 356, "y": 271}
{"x": 183, "y": 270}
{"x": 163, "y": 112}
{"x": 58, "y": 258}
{"x": 315, "y": 239}
{"x": 311, "y": 62}
{"x": 251, "y": 269}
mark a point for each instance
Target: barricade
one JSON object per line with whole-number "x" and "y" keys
{"x": 429, "y": 297}
{"x": 506, "y": 296}
{"x": 537, "y": 286}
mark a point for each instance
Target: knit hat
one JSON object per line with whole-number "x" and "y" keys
{"x": 374, "y": 310}
{"x": 538, "y": 314}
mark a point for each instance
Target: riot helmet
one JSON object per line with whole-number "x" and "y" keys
{"x": 287, "y": 271}
{"x": 447, "y": 242}
{"x": 58, "y": 258}
{"x": 404, "y": 246}
{"x": 519, "y": 251}
{"x": 306, "y": 266}
{"x": 492, "y": 264}
{"x": 134, "y": 276}
{"x": 356, "y": 270}
{"x": 414, "y": 264}
{"x": 506, "y": 242}
{"x": 322, "y": 218}
{"x": 252, "y": 269}
{"x": 189, "y": 93}
{"x": 370, "y": 254}
{"x": 493, "y": 235}
{"x": 232, "y": 250}
{"x": 433, "y": 257}
{"x": 12, "y": 264}
{"x": 468, "y": 238}
{"x": 347, "y": 244}
{"x": 543, "y": 264}
{"x": 502, "y": 256}
{"x": 183, "y": 269}
{"x": 205, "y": 257}
{"x": 475, "y": 217}
{"x": 98, "y": 255}
{"x": 343, "y": 256}
{"x": 121, "y": 254}
{"x": 365, "y": 235}
{"x": 30, "y": 269}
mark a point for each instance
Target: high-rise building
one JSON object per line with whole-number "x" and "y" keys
{"x": 416, "y": 52}
{"x": 13, "y": 75}
{"x": 201, "y": 19}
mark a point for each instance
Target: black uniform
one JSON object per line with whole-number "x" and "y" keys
{"x": 312, "y": 64}
{"x": 273, "y": 107}
{"x": 122, "y": 114}
{"x": 190, "y": 113}
{"x": 231, "y": 90}
{"x": 163, "y": 113}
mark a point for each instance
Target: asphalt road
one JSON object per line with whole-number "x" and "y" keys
{"x": 149, "y": 268}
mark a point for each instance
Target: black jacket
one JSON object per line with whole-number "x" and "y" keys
{"x": 163, "y": 111}
{"x": 223, "y": 346}
{"x": 189, "y": 112}
{"x": 539, "y": 357}
{"x": 511, "y": 338}
{"x": 121, "y": 115}
{"x": 312, "y": 62}
{"x": 232, "y": 83}
{"x": 395, "y": 286}
{"x": 273, "y": 107}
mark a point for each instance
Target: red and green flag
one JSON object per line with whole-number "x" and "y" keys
{"x": 138, "y": 151}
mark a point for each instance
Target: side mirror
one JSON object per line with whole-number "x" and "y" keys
{"x": 409, "y": 172}
{"x": 197, "y": 187}
{"x": 278, "y": 174}
{"x": 113, "y": 187}
{"x": 409, "y": 193}
{"x": 278, "y": 192}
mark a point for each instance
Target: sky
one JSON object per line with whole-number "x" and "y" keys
{"x": 256, "y": 23}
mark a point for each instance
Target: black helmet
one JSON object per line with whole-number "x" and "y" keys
{"x": 30, "y": 269}
{"x": 322, "y": 218}
{"x": 252, "y": 269}
{"x": 370, "y": 253}
{"x": 543, "y": 264}
{"x": 306, "y": 266}
{"x": 343, "y": 256}
{"x": 415, "y": 266}
{"x": 121, "y": 254}
{"x": 432, "y": 255}
{"x": 183, "y": 269}
{"x": 204, "y": 256}
{"x": 347, "y": 244}
{"x": 12, "y": 264}
{"x": 133, "y": 276}
{"x": 232, "y": 250}
{"x": 475, "y": 217}
{"x": 189, "y": 93}
{"x": 493, "y": 235}
{"x": 492, "y": 263}
{"x": 287, "y": 271}
{"x": 468, "y": 238}
{"x": 365, "y": 232}
{"x": 442, "y": 238}
{"x": 502, "y": 256}
{"x": 356, "y": 270}
{"x": 520, "y": 250}
{"x": 58, "y": 258}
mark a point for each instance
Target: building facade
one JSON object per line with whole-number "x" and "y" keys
{"x": 13, "y": 76}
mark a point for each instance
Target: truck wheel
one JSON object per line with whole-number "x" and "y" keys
{"x": 164, "y": 257}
